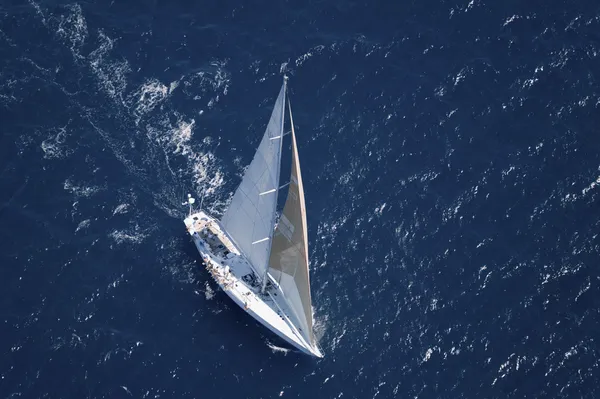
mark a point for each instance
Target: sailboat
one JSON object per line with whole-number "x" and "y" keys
{"x": 259, "y": 261}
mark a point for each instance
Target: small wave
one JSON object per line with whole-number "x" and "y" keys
{"x": 511, "y": 19}
{"x": 132, "y": 236}
{"x": 304, "y": 57}
{"x": 278, "y": 349}
{"x": 214, "y": 83}
{"x": 72, "y": 28}
{"x": 340, "y": 333}
{"x": 54, "y": 146}
{"x": 148, "y": 96}
{"x": 38, "y": 10}
{"x": 209, "y": 293}
{"x": 83, "y": 225}
{"x": 122, "y": 208}
{"x": 428, "y": 354}
{"x": 181, "y": 135}
{"x": 72, "y": 341}
{"x": 112, "y": 75}
{"x": 592, "y": 185}
{"x": 80, "y": 191}
{"x": 176, "y": 139}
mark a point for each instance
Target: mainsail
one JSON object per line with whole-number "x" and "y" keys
{"x": 250, "y": 218}
{"x": 288, "y": 263}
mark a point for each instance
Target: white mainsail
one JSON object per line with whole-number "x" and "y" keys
{"x": 250, "y": 218}
{"x": 288, "y": 263}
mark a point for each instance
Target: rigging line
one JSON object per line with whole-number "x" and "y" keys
{"x": 281, "y": 135}
{"x": 274, "y": 189}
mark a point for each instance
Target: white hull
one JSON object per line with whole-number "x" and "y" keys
{"x": 235, "y": 276}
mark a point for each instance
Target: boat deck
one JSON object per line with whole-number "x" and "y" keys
{"x": 212, "y": 235}
{"x": 233, "y": 273}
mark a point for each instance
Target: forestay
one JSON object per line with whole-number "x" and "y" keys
{"x": 250, "y": 218}
{"x": 288, "y": 263}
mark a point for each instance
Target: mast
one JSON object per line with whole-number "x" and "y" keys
{"x": 265, "y": 277}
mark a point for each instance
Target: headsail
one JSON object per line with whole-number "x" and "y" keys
{"x": 250, "y": 218}
{"x": 288, "y": 263}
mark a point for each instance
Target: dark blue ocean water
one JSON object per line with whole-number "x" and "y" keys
{"x": 451, "y": 158}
